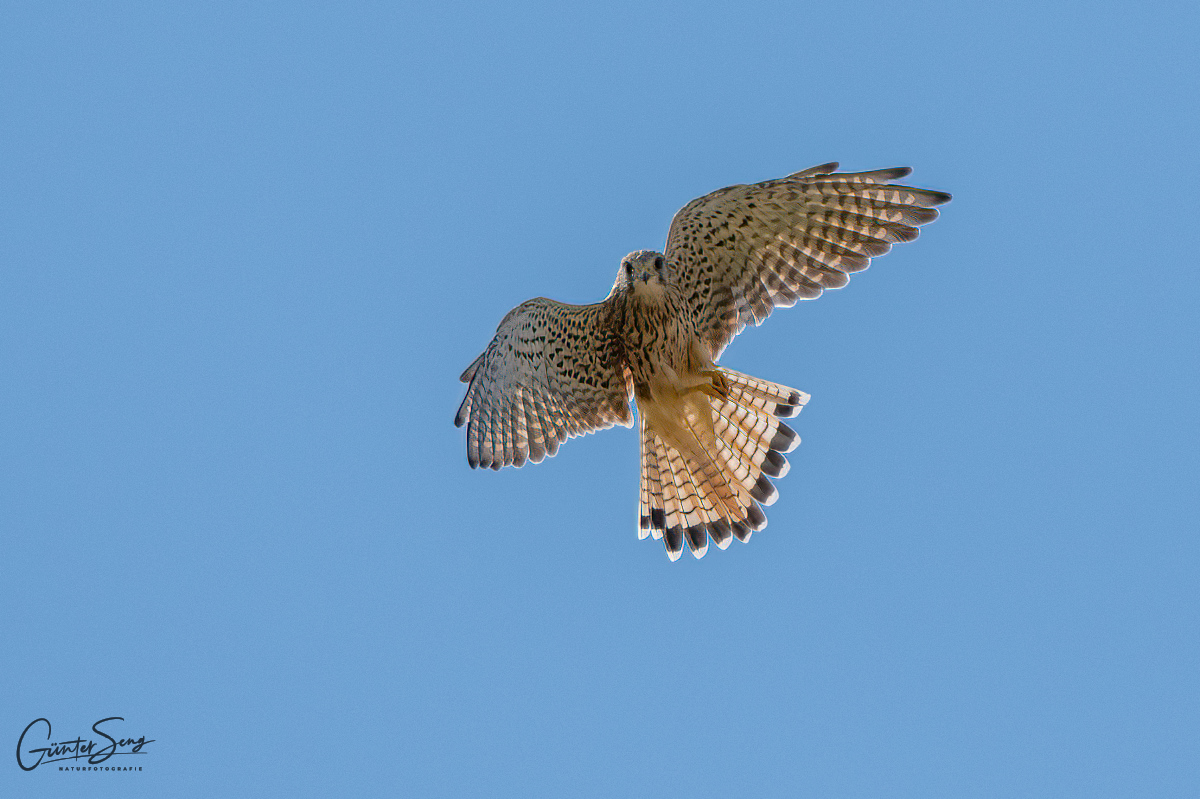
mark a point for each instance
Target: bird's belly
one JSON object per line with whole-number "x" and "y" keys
{"x": 664, "y": 355}
{"x": 671, "y": 404}
{"x": 666, "y": 361}
{"x": 661, "y": 367}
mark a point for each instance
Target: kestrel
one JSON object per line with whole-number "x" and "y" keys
{"x": 710, "y": 436}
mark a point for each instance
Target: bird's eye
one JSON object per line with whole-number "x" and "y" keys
{"x": 658, "y": 263}
{"x": 628, "y": 268}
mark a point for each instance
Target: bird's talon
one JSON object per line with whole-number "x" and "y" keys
{"x": 718, "y": 385}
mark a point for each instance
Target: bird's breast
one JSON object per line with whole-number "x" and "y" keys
{"x": 657, "y": 336}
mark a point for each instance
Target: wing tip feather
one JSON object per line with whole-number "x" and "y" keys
{"x": 785, "y": 439}
{"x": 820, "y": 169}
{"x": 764, "y": 491}
{"x": 673, "y": 541}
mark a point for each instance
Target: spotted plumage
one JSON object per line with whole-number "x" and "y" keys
{"x": 711, "y": 438}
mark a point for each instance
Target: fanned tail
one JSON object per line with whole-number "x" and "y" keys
{"x": 707, "y": 475}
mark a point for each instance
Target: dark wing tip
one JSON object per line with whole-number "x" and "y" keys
{"x": 764, "y": 491}
{"x": 784, "y": 440}
{"x": 755, "y": 518}
{"x": 673, "y": 540}
{"x": 469, "y": 372}
{"x": 821, "y": 169}
{"x": 773, "y": 464}
{"x": 720, "y": 532}
{"x": 787, "y": 411}
{"x": 697, "y": 539}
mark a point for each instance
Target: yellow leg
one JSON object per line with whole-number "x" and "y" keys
{"x": 718, "y": 386}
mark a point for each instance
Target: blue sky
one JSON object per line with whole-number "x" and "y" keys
{"x": 248, "y": 249}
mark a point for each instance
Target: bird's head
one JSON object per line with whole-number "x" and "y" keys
{"x": 645, "y": 273}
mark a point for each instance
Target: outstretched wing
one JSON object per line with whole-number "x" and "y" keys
{"x": 552, "y": 372}
{"x": 743, "y": 250}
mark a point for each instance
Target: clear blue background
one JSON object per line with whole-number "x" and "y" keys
{"x": 248, "y": 249}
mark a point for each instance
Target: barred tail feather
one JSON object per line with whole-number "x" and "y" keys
{"x": 652, "y": 514}
{"x": 674, "y": 520}
{"x": 763, "y": 395}
{"x": 708, "y": 475}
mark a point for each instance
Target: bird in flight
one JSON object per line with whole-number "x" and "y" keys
{"x": 710, "y": 437}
